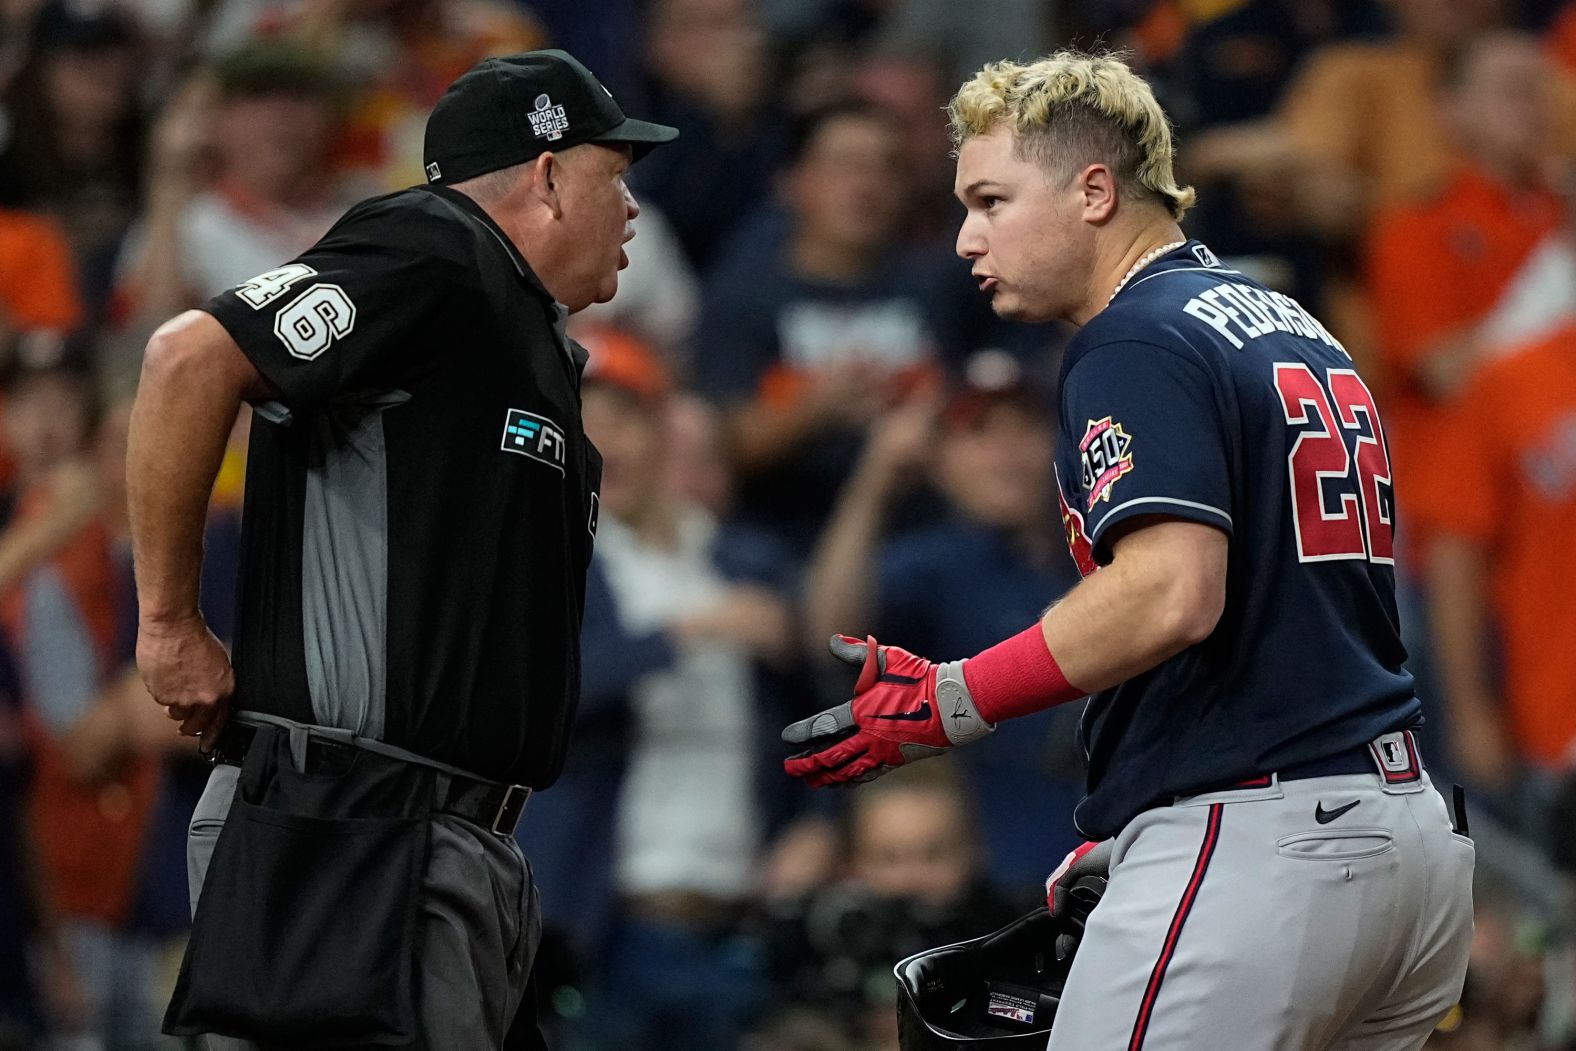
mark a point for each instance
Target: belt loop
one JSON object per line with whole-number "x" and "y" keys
{"x": 510, "y": 807}
{"x": 1395, "y": 756}
{"x": 298, "y": 743}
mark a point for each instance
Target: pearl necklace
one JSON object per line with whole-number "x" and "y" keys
{"x": 1145, "y": 261}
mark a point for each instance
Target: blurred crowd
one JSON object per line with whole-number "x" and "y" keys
{"x": 811, "y": 423}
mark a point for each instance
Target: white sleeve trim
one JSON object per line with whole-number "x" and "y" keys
{"x": 1184, "y": 270}
{"x": 1172, "y": 501}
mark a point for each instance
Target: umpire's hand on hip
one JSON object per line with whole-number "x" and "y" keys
{"x": 187, "y": 670}
{"x": 904, "y": 708}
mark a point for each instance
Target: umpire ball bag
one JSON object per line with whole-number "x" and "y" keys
{"x": 306, "y": 932}
{"x": 996, "y": 993}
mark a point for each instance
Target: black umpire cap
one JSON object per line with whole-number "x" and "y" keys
{"x": 507, "y": 110}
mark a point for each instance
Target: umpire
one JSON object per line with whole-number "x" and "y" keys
{"x": 420, "y": 507}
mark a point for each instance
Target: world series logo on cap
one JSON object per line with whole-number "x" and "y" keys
{"x": 547, "y": 120}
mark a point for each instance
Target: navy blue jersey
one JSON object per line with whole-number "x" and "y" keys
{"x": 1199, "y": 394}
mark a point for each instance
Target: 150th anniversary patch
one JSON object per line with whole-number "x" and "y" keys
{"x": 1106, "y": 455}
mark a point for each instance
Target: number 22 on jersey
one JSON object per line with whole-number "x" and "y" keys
{"x": 1342, "y": 498}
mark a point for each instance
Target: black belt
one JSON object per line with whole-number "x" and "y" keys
{"x": 496, "y": 807}
{"x": 1351, "y": 761}
{"x": 1404, "y": 767}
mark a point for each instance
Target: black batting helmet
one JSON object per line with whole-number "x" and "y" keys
{"x": 996, "y": 993}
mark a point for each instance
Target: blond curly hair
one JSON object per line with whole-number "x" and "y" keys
{"x": 1072, "y": 109}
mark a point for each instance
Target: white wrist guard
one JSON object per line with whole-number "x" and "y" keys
{"x": 960, "y": 719}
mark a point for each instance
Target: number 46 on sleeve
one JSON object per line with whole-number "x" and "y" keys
{"x": 1343, "y": 503}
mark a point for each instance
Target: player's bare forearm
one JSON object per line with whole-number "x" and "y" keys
{"x": 1163, "y": 592}
{"x": 194, "y": 379}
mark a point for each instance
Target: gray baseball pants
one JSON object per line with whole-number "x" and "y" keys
{"x": 1240, "y": 919}
{"x": 481, "y": 925}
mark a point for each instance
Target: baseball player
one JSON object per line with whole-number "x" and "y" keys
{"x": 1282, "y": 872}
{"x": 421, "y": 503}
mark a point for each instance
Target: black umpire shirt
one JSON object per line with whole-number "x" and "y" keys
{"x": 421, "y": 500}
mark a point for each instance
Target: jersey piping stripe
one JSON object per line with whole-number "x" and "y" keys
{"x": 1183, "y": 270}
{"x": 1195, "y": 505}
{"x": 1185, "y": 906}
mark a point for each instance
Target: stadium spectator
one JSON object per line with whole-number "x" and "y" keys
{"x": 38, "y": 987}
{"x": 39, "y": 304}
{"x": 1364, "y": 116}
{"x": 1235, "y": 66}
{"x": 1501, "y": 569}
{"x": 1540, "y": 298}
{"x": 37, "y": 286}
{"x": 687, "y": 632}
{"x": 969, "y": 35}
{"x": 999, "y": 556}
{"x": 268, "y": 112}
{"x": 709, "y": 76}
{"x": 1361, "y": 127}
{"x": 913, "y": 882}
{"x": 1562, "y": 38}
{"x": 399, "y": 55}
{"x": 89, "y": 807}
{"x": 1470, "y": 239}
{"x": 1228, "y": 79}
{"x": 697, "y": 470}
{"x": 97, "y": 978}
{"x": 912, "y": 87}
{"x": 46, "y": 424}
{"x": 73, "y": 142}
{"x": 121, "y": 915}
{"x": 817, "y": 322}
{"x": 966, "y": 36}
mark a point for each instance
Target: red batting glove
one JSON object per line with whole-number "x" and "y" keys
{"x": 1090, "y": 859}
{"x": 904, "y": 708}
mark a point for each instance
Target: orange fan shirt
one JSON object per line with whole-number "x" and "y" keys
{"x": 1434, "y": 268}
{"x": 1510, "y": 450}
{"x": 88, "y": 837}
{"x": 1373, "y": 109}
{"x": 37, "y": 281}
{"x": 1561, "y": 38}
